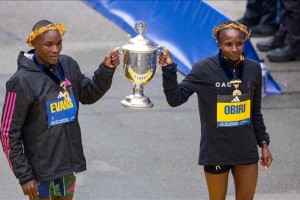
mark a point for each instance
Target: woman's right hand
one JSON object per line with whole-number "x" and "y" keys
{"x": 31, "y": 189}
{"x": 112, "y": 59}
{"x": 165, "y": 58}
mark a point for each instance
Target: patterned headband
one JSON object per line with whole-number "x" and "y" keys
{"x": 36, "y": 32}
{"x": 232, "y": 24}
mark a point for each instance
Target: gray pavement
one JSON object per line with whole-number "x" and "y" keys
{"x": 146, "y": 154}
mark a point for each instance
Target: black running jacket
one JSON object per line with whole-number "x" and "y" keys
{"x": 33, "y": 149}
{"x": 209, "y": 79}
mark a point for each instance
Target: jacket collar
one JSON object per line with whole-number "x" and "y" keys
{"x": 25, "y": 61}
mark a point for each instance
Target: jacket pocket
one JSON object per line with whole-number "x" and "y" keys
{"x": 53, "y": 154}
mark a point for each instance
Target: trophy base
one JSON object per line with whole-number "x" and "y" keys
{"x": 137, "y": 102}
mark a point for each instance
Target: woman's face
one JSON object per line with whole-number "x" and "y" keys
{"x": 48, "y": 46}
{"x": 231, "y": 42}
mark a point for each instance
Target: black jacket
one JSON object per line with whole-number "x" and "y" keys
{"x": 35, "y": 150}
{"x": 210, "y": 78}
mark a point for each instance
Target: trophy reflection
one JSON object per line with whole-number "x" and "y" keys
{"x": 139, "y": 66}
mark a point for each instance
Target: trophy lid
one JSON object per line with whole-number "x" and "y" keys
{"x": 140, "y": 43}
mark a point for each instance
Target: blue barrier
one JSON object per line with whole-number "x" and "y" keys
{"x": 184, "y": 27}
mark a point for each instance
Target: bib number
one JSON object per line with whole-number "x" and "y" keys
{"x": 233, "y": 110}
{"x": 60, "y": 110}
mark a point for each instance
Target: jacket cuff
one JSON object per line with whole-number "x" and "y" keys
{"x": 261, "y": 142}
{"x": 23, "y": 181}
{"x": 170, "y": 68}
{"x": 106, "y": 70}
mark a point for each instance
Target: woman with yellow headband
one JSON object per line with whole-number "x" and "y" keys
{"x": 228, "y": 87}
{"x": 40, "y": 132}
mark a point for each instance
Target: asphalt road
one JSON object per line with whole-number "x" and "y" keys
{"x": 146, "y": 154}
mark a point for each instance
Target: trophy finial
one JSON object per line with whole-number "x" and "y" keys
{"x": 140, "y": 26}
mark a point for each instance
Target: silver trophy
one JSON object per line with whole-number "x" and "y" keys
{"x": 139, "y": 66}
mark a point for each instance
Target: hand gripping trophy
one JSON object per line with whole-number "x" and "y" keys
{"x": 139, "y": 66}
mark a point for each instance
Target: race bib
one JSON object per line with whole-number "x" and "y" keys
{"x": 233, "y": 110}
{"x": 60, "y": 110}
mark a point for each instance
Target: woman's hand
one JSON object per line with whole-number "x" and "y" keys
{"x": 165, "y": 58}
{"x": 266, "y": 157}
{"x": 31, "y": 189}
{"x": 112, "y": 59}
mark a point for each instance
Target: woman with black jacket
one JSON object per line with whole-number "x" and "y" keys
{"x": 40, "y": 133}
{"x": 229, "y": 99}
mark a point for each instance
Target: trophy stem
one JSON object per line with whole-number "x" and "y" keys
{"x": 138, "y": 90}
{"x": 137, "y": 100}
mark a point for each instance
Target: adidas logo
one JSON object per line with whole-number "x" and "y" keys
{"x": 60, "y": 95}
{"x": 235, "y": 99}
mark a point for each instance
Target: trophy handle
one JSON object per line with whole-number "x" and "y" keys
{"x": 160, "y": 48}
{"x": 121, "y": 72}
{"x": 119, "y": 49}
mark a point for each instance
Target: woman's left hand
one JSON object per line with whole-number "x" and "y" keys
{"x": 266, "y": 157}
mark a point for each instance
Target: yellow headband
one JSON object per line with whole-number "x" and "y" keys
{"x": 235, "y": 25}
{"x": 36, "y": 32}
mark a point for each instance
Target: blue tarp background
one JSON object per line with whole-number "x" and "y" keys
{"x": 184, "y": 27}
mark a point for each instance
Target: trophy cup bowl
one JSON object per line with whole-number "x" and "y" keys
{"x": 139, "y": 66}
